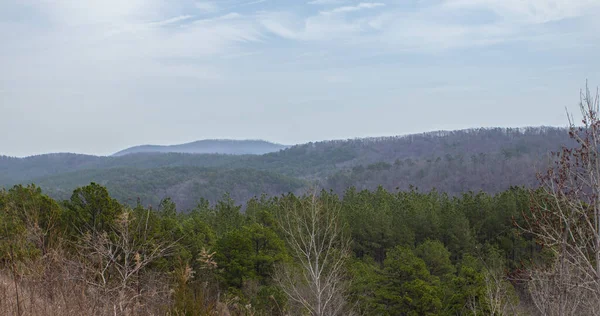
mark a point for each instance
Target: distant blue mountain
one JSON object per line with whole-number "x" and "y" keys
{"x": 210, "y": 146}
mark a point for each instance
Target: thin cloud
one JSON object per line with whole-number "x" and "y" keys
{"x": 173, "y": 20}
{"x": 360, "y": 6}
{"x": 224, "y": 17}
{"x": 314, "y": 28}
{"x": 253, "y": 2}
{"x": 325, "y": 2}
{"x": 530, "y": 11}
{"x": 206, "y": 6}
{"x": 167, "y": 61}
{"x": 276, "y": 27}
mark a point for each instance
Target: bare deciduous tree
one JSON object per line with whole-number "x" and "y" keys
{"x": 112, "y": 263}
{"x": 566, "y": 221}
{"x": 313, "y": 230}
{"x": 499, "y": 294}
{"x": 555, "y": 291}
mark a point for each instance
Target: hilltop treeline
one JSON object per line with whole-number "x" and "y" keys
{"x": 407, "y": 253}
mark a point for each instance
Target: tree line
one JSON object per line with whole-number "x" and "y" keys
{"x": 369, "y": 252}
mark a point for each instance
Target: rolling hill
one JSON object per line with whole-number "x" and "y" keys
{"x": 488, "y": 159}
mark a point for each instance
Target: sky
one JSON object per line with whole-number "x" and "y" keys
{"x": 97, "y": 76}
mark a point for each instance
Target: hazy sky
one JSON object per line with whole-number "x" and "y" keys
{"x": 95, "y": 76}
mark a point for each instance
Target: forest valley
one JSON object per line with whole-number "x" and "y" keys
{"x": 364, "y": 252}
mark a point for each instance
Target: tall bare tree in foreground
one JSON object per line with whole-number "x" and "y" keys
{"x": 113, "y": 263}
{"x": 566, "y": 221}
{"x": 313, "y": 230}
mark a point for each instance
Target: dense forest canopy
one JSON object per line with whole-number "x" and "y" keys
{"x": 411, "y": 252}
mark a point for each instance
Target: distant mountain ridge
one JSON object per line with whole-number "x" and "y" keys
{"x": 209, "y": 146}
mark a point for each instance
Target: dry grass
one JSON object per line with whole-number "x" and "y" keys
{"x": 29, "y": 297}
{"x": 63, "y": 297}
{"x": 54, "y": 286}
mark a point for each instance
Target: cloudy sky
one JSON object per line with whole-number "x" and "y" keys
{"x": 96, "y": 76}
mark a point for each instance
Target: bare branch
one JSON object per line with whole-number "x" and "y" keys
{"x": 313, "y": 230}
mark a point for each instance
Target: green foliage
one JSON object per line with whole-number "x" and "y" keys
{"x": 267, "y": 250}
{"x": 402, "y": 265}
{"x": 91, "y": 209}
{"x": 409, "y": 288}
{"x": 262, "y": 210}
{"x": 196, "y": 235}
{"x": 30, "y": 223}
{"x": 227, "y": 216}
{"x": 233, "y": 258}
{"x": 249, "y": 253}
{"x": 436, "y": 258}
{"x": 377, "y": 222}
{"x": 365, "y": 289}
{"x": 466, "y": 290}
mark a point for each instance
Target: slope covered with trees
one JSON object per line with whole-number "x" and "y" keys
{"x": 186, "y": 185}
{"x": 488, "y": 172}
{"x": 479, "y": 159}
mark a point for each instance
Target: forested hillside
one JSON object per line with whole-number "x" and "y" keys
{"x": 488, "y": 172}
{"x": 186, "y": 185}
{"x": 454, "y": 162}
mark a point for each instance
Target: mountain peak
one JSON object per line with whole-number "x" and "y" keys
{"x": 209, "y": 146}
